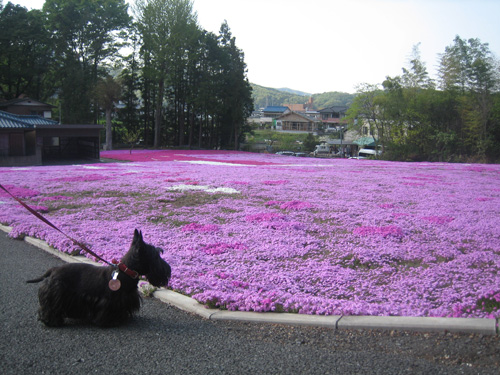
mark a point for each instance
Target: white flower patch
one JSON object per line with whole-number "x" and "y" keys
{"x": 207, "y": 189}
{"x": 89, "y": 166}
{"x": 223, "y": 190}
{"x": 206, "y": 162}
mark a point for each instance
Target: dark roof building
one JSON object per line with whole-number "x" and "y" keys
{"x": 35, "y": 140}
{"x": 333, "y": 114}
{"x": 297, "y": 122}
{"x": 27, "y": 106}
{"x": 275, "y": 111}
{"x": 10, "y": 120}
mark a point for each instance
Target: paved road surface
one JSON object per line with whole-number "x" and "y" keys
{"x": 164, "y": 340}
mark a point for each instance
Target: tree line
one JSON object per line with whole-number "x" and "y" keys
{"x": 178, "y": 85}
{"x": 453, "y": 118}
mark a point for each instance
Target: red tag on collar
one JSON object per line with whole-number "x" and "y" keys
{"x": 133, "y": 274}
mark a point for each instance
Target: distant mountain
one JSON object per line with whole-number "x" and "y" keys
{"x": 265, "y": 96}
{"x": 294, "y": 92}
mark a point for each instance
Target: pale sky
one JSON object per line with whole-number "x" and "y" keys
{"x": 317, "y": 46}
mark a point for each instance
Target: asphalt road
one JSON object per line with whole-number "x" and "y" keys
{"x": 164, "y": 340}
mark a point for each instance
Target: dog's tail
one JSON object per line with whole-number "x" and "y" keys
{"x": 41, "y": 278}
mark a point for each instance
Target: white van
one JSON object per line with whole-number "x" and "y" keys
{"x": 321, "y": 149}
{"x": 365, "y": 153}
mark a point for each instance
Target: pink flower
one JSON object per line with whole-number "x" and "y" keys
{"x": 195, "y": 227}
{"x": 18, "y": 192}
{"x": 275, "y": 182}
{"x": 386, "y": 231}
{"x": 386, "y": 205}
{"x": 438, "y": 219}
{"x": 264, "y": 217}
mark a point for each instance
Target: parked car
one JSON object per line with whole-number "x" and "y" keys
{"x": 321, "y": 149}
{"x": 286, "y": 153}
{"x": 365, "y": 153}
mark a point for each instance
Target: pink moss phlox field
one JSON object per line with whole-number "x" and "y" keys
{"x": 390, "y": 230}
{"x": 256, "y": 232}
{"x": 196, "y": 227}
{"x": 18, "y": 192}
{"x": 292, "y": 205}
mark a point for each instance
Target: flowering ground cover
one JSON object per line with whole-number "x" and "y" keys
{"x": 258, "y": 232}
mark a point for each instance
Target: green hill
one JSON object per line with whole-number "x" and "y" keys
{"x": 264, "y": 96}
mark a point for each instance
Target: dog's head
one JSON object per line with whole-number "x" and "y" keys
{"x": 146, "y": 260}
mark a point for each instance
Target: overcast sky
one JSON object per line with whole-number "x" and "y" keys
{"x": 333, "y": 45}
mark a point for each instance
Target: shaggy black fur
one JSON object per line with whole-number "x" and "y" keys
{"x": 81, "y": 291}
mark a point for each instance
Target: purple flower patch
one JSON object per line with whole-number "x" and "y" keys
{"x": 84, "y": 178}
{"x": 291, "y": 205}
{"x": 55, "y": 198}
{"x": 221, "y": 248}
{"x": 265, "y": 217}
{"x": 346, "y": 238}
{"x": 388, "y": 231}
{"x": 438, "y": 219}
{"x": 203, "y": 228}
{"x": 386, "y": 205}
{"x": 19, "y": 192}
{"x": 275, "y": 182}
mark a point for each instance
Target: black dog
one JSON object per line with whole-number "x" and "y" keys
{"x": 104, "y": 296}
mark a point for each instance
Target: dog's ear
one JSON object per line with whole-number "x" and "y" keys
{"x": 137, "y": 236}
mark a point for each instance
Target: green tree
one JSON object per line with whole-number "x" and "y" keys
{"x": 236, "y": 93}
{"x": 310, "y": 142}
{"x": 160, "y": 23}
{"x": 131, "y": 84}
{"x": 406, "y": 107}
{"x": 183, "y": 82}
{"x": 369, "y": 107}
{"x": 108, "y": 92}
{"x": 86, "y": 34}
{"x": 416, "y": 76}
{"x": 131, "y": 138}
{"x": 208, "y": 103}
{"x": 470, "y": 71}
{"x": 468, "y": 65}
{"x": 25, "y": 54}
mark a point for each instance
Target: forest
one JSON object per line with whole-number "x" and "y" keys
{"x": 176, "y": 84}
{"x": 455, "y": 118}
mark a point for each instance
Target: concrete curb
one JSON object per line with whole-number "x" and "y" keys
{"x": 427, "y": 324}
{"x": 405, "y": 323}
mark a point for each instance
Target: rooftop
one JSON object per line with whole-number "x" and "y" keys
{"x": 12, "y": 121}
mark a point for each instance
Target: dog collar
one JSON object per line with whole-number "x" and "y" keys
{"x": 122, "y": 267}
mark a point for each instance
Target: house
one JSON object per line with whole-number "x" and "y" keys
{"x": 293, "y": 121}
{"x": 332, "y": 117}
{"x": 18, "y": 139}
{"x": 27, "y": 106}
{"x": 274, "y": 111}
{"x": 36, "y": 140}
{"x": 296, "y": 107}
{"x": 306, "y": 108}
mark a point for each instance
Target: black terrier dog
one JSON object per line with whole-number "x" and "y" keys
{"x": 104, "y": 296}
